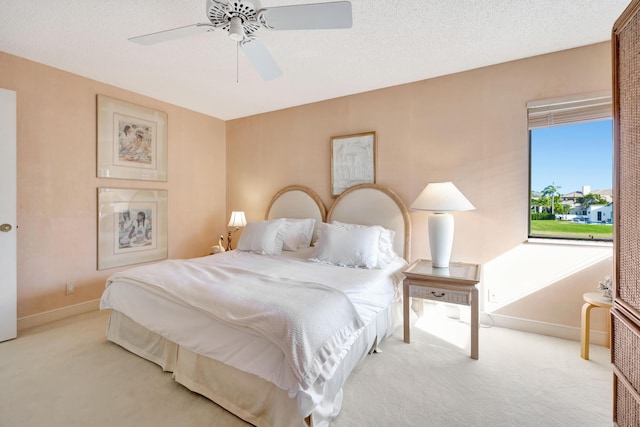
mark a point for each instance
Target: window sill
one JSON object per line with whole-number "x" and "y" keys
{"x": 568, "y": 242}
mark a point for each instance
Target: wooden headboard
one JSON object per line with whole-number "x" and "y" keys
{"x": 366, "y": 204}
{"x": 296, "y": 201}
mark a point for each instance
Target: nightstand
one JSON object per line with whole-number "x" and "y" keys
{"x": 455, "y": 284}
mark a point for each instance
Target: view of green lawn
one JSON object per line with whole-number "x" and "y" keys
{"x": 570, "y": 229}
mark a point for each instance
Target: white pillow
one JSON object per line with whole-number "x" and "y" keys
{"x": 347, "y": 247}
{"x": 386, "y": 253}
{"x": 299, "y": 234}
{"x": 263, "y": 237}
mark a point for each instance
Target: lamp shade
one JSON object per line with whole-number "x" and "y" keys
{"x": 441, "y": 197}
{"x": 237, "y": 219}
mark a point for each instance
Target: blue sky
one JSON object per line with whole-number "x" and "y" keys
{"x": 572, "y": 156}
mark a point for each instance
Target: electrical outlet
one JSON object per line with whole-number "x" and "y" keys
{"x": 491, "y": 295}
{"x": 68, "y": 290}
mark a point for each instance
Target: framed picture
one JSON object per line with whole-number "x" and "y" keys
{"x": 132, "y": 226}
{"x": 353, "y": 161}
{"x": 132, "y": 141}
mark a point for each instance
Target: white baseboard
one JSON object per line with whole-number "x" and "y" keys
{"x": 27, "y": 322}
{"x": 542, "y": 328}
{"x": 490, "y": 319}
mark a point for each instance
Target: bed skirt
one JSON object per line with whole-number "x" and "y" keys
{"x": 248, "y": 396}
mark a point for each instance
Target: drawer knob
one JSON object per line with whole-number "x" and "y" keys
{"x": 437, "y": 294}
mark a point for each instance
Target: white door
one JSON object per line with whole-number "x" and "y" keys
{"x": 8, "y": 238}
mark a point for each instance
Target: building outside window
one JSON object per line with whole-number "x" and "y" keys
{"x": 571, "y": 168}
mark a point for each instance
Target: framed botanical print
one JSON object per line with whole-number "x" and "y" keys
{"x": 132, "y": 141}
{"x": 132, "y": 226}
{"x": 353, "y": 161}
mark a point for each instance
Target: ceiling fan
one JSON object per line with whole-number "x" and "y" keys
{"x": 243, "y": 18}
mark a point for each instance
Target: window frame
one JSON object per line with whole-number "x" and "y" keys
{"x": 562, "y": 111}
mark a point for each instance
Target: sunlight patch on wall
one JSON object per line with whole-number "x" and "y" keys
{"x": 533, "y": 266}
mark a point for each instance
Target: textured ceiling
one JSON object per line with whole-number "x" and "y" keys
{"x": 391, "y": 42}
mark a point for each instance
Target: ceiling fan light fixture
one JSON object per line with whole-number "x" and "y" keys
{"x": 236, "y": 33}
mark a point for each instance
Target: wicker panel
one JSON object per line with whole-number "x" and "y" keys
{"x": 627, "y": 410}
{"x": 625, "y": 354}
{"x": 626, "y": 345}
{"x": 437, "y": 294}
{"x": 628, "y": 200}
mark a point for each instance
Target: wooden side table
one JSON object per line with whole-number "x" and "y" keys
{"x": 591, "y": 300}
{"x": 455, "y": 284}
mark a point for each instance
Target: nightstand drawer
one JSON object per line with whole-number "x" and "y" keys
{"x": 439, "y": 294}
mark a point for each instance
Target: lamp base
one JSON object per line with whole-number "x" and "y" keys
{"x": 440, "y": 238}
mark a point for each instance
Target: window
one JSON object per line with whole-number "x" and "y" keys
{"x": 571, "y": 168}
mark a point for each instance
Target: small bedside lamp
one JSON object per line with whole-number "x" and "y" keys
{"x": 237, "y": 220}
{"x": 440, "y": 198}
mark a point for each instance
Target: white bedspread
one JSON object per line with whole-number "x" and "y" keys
{"x": 312, "y": 323}
{"x": 370, "y": 291}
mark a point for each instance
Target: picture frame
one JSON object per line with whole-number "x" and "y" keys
{"x": 353, "y": 161}
{"x": 132, "y": 226}
{"x": 131, "y": 141}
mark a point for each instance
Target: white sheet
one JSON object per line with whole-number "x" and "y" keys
{"x": 310, "y": 322}
{"x": 243, "y": 350}
{"x": 369, "y": 290}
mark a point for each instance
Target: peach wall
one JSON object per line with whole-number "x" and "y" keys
{"x": 562, "y": 299}
{"x": 469, "y": 128}
{"x": 57, "y": 182}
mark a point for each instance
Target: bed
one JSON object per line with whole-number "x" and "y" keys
{"x": 269, "y": 362}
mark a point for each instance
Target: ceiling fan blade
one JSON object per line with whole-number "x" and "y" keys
{"x": 261, "y": 59}
{"x": 175, "y": 33}
{"x": 315, "y": 16}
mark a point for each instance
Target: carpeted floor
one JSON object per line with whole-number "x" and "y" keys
{"x": 67, "y": 374}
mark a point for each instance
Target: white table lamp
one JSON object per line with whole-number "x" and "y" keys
{"x": 440, "y": 198}
{"x": 237, "y": 220}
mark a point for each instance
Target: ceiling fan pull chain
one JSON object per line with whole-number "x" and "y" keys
{"x": 237, "y": 66}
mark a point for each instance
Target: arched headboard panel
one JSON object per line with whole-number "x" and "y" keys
{"x": 373, "y": 204}
{"x": 296, "y": 201}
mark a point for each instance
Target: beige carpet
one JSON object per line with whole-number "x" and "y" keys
{"x": 67, "y": 374}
